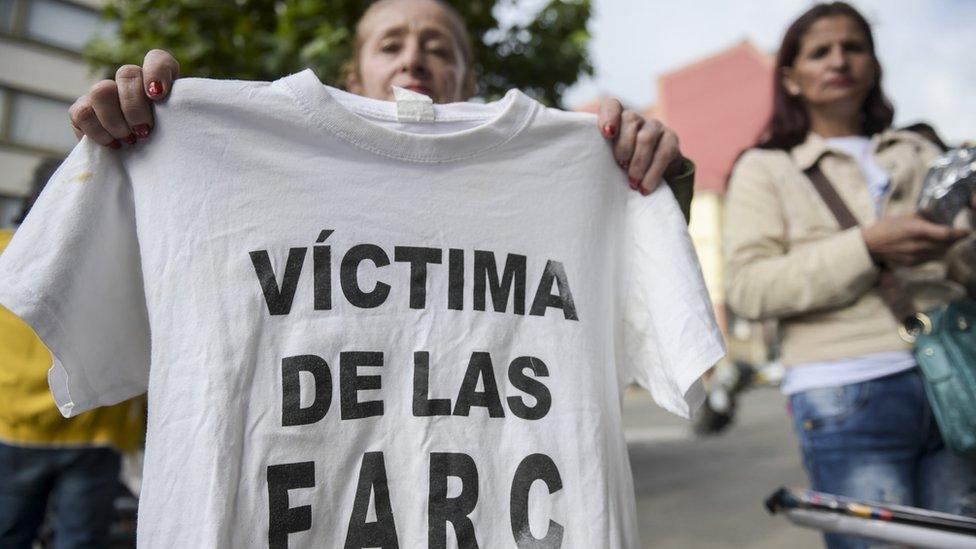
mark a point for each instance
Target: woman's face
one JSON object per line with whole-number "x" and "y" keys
{"x": 834, "y": 67}
{"x": 409, "y": 43}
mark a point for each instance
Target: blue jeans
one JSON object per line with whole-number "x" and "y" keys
{"x": 877, "y": 441}
{"x": 83, "y": 483}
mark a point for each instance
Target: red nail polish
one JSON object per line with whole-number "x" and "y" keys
{"x": 633, "y": 183}
{"x": 609, "y": 130}
{"x": 625, "y": 164}
{"x": 130, "y": 139}
{"x": 155, "y": 88}
{"x": 115, "y": 144}
{"x": 141, "y": 130}
{"x": 645, "y": 192}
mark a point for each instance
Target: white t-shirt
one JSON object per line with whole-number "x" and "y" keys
{"x": 361, "y": 332}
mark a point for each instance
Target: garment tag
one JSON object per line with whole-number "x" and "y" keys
{"x": 412, "y": 106}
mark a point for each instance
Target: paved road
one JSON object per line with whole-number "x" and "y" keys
{"x": 707, "y": 493}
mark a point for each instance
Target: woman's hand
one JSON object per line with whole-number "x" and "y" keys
{"x": 646, "y": 149}
{"x": 121, "y": 110}
{"x": 906, "y": 240}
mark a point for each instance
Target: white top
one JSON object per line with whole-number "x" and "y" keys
{"x": 845, "y": 371}
{"x": 356, "y": 331}
{"x": 861, "y": 150}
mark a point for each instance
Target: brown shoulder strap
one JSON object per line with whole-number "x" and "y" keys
{"x": 890, "y": 288}
{"x": 829, "y": 195}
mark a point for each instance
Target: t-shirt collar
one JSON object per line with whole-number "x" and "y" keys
{"x": 335, "y": 111}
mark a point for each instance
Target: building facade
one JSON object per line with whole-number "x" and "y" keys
{"x": 718, "y": 105}
{"x": 41, "y": 73}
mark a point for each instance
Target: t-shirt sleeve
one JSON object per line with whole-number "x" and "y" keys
{"x": 669, "y": 333}
{"x": 72, "y": 272}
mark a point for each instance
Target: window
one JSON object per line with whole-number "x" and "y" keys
{"x": 3, "y": 108}
{"x": 40, "y": 122}
{"x": 59, "y": 23}
{"x": 6, "y": 15}
{"x": 62, "y": 24}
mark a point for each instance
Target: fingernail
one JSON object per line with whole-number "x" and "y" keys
{"x": 645, "y": 192}
{"x": 633, "y": 183}
{"x": 625, "y": 164}
{"x": 609, "y": 130}
{"x": 130, "y": 139}
{"x": 142, "y": 130}
{"x": 115, "y": 144}
{"x": 155, "y": 88}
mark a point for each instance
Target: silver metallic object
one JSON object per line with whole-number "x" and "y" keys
{"x": 948, "y": 186}
{"x": 895, "y": 524}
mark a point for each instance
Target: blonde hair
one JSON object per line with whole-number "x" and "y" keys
{"x": 350, "y": 68}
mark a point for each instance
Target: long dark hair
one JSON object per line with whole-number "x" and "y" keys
{"x": 789, "y": 124}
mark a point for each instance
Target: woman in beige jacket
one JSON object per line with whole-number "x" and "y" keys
{"x": 857, "y": 400}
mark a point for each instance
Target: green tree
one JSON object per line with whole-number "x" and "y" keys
{"x": 266, "y": 39}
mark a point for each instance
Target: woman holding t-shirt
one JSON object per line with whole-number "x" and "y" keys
{"x": 858, "y": 404}
{"x": 420, "y": 45}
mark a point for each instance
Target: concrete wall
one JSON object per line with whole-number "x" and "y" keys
{"x": 45, "y": 71}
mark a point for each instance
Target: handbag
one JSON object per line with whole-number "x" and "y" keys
{"x": 944, "y": 340}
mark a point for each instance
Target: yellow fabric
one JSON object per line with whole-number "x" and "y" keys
{"x": 787, "y": 259}
{"x": 28, "y": 415}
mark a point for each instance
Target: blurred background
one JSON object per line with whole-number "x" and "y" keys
{"x": 702, "y": 67}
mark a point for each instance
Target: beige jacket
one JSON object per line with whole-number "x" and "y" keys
{"x": 787, "y": 259}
